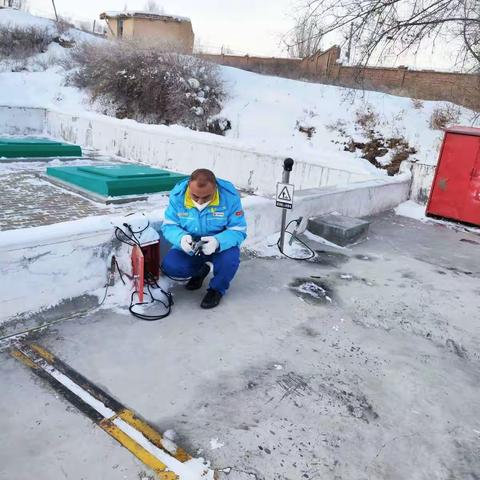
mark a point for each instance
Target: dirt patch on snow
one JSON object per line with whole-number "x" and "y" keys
{"x": 393, "y": 149}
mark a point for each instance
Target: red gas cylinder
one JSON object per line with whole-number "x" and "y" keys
{"x": 455, "y": 192}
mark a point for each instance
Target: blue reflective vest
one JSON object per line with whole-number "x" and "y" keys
{"x": 224, "y": 217}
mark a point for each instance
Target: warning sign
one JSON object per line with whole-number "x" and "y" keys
{"x": 284, "y": 196}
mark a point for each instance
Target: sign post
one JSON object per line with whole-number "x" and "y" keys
{"x": 284, "y": 197}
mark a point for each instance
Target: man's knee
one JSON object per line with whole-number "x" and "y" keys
{"x": 177, "y": 264}
{"x": 229, "y": 259}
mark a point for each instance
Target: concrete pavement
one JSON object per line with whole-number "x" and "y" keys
{"x": 379, "y": 381}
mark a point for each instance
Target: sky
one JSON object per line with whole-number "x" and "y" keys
{"x": 242, "y": 26}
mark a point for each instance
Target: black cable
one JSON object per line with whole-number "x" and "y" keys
{"x": 122, "y": 273}
{"x": 105, "y": 296}
{"x": 152, "y": 318}
{"x": 124, "y": 238}
{"x": 312, "y": 252}
{"x": 151, "y": 282}
{"x": 130, "y": 227}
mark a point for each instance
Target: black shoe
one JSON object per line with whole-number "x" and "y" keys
{"x": 211, "y": 299}
{"x": 196, "y": 282}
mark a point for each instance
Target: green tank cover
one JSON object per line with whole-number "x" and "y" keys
{"x": 117, "y": 180}
{"x": 34, "y": 147}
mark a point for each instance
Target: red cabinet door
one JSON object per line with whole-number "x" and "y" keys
{"x": 471, "y": 211}
{"x": 453, "y": 179}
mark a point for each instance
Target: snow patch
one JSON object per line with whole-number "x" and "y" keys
{"x": 215, "y": 444}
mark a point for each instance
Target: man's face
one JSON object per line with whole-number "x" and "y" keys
{"x": 202, "y": 193}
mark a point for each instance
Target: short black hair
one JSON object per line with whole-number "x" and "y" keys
{"x": 203, "y": 176}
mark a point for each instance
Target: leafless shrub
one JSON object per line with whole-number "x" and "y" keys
{"x": 23, "y": 42}
{"x": 367, "y": 119}
{"x": 443, "y": 117}
{"x": 45, "y": 62}
{"x": 338, "y": 126}
{"x": 63, "y": 25}
{"x": 149, "y": 85}
{"x": 417, "y": 104}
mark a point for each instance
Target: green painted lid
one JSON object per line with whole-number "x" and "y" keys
{"x": 124, "y": 171}
{"x": 35, "y": 147}
{"x": 116, "y": 180}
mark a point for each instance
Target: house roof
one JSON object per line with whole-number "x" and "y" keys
{"x": 140, "y": 14}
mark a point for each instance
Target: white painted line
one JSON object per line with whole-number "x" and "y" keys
{"x": 79, "y": 391}
{"x": 194, "y": 469}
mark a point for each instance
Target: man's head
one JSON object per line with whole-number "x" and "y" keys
{"x": 203, "y": 185}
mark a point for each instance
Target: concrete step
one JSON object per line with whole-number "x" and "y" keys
{"x": 339, "y": 229}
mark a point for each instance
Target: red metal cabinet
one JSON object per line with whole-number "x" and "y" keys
{"x": 455, "y": 191}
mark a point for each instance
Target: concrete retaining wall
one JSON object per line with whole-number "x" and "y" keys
{"x": 43, "y": 266}
{"x": 164, "y": 147}
{"x": 422, "y": 180}
{"x": 19, "y": 120}
{"x": 175, "y": 149}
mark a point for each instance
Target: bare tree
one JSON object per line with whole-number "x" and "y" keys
{"x": 153, "y": 7}
{"x": 380, "y": 27}
{"x": 305, "y": 38}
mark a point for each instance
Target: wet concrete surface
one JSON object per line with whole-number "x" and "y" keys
{"x": 382, "y": 382}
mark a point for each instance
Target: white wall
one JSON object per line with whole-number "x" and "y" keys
{"x": 422, "y": 179}
{"x": 181, "y": 151}
{"x": 19, "y": 120}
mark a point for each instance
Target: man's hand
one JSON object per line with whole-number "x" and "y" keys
{"x": 187, "y": 244}
{"x": 210, "y": 246}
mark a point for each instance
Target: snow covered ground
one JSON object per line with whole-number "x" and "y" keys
{"x": 265, "y": 112}
{"x": 54, "y": 55}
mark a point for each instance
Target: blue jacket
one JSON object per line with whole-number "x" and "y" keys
{"x": 223, "y": 218}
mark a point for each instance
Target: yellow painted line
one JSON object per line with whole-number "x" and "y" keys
{"x": 145, "y": 457}
{"x": 45, "y": 354}
{"x": 23, "y": 358}
{"x": 128, "y": 416}
{"x": 151, "y": 434}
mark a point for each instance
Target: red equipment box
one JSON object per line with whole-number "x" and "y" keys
{"x": 455, "y": 192}
{"x": 145, "y": 266}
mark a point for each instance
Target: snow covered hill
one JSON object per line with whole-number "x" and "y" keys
{"x": 310, "y": 122}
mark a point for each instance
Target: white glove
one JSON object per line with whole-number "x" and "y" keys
{"x": 210, "y": 246}
{"x": 186, "y": 244}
